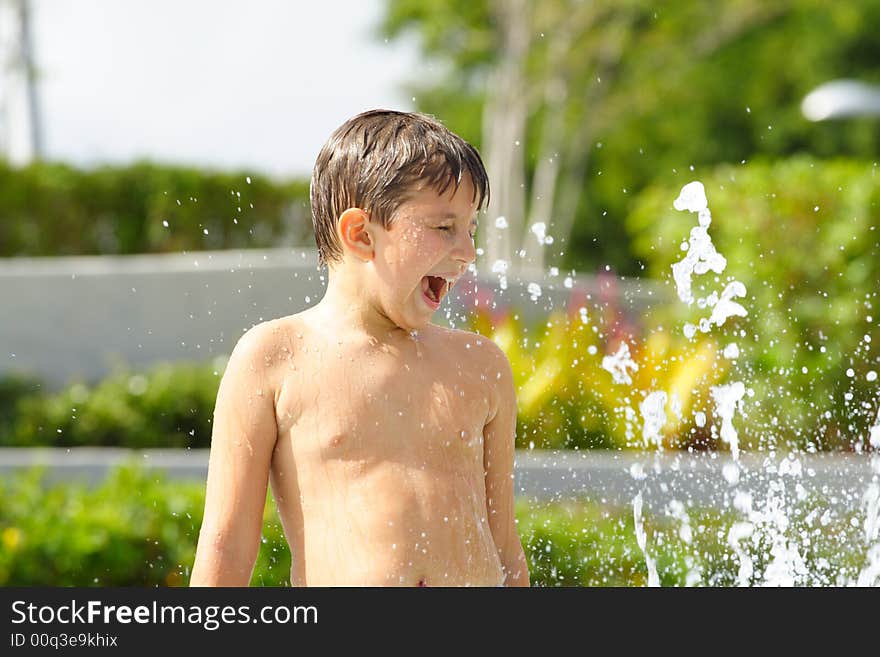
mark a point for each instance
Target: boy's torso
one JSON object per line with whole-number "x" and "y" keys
{"x": 378, "y": 468}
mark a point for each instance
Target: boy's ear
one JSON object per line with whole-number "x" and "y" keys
{"x": 355, "y": 233}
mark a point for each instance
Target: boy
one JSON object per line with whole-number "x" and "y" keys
{"x": 388, "y": 440}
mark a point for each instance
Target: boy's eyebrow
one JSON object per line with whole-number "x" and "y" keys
{"x": 451, "y": 215}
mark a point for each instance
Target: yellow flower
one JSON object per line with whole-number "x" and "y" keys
{"x": 11, "y": 537}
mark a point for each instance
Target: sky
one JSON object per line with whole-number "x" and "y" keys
{"x": 255, "y": 85}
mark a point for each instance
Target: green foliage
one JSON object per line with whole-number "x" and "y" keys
{"x": 13, "y": 389}
{"x": 169, "y": 405}
{"x": 139, "y": 529}
{"x": 643, "y": 89}
{"x": 135, "y": 529}
{"x": 55, "y": 209}
{"x": 572, "y": 544}
{"x": 565, "y": 399}
{"x": 801, "y": 234}
{"x": 576, "y": 543}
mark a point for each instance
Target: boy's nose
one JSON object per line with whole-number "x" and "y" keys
{"x": 465, "y": 251}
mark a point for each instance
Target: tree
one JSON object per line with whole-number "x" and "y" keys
{"x": 578, "y": 105}
{"x": 22, "y": 127}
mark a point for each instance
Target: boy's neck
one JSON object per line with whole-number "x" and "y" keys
{"x": 346, "y": 306}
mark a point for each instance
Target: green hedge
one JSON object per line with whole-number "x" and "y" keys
{"x": 138, "y": 529}
{"x": 802, "y": 235}
{"x": 55, "y": 209}
{"x": 14, "y": 389}
{"x": 168, "y": 405}
{"x": 135, "y": 529}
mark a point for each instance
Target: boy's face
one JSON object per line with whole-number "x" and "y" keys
{"x": 426, "y": 249}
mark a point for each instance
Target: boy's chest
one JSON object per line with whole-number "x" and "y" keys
{"x": 378, "y": 405}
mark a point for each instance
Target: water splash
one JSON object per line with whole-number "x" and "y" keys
{"x": 701, "y": 254}
{"x": 870, "y": 573}
{"x": 701, "y": 258}
{"x": 619, "y": 363}
{"x": 642, "y": 540}
{"x": 768, "y": 540}
{"x": 653, "y": 410}
{"x": 726, "y": 307}
{"x": 727, "y": 399}
{"x": 740, "y": 531}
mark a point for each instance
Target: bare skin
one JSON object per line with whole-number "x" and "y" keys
{"x": 387, "y": 440}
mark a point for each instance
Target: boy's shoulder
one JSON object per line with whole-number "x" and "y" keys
{"x": 459, "y": 334}
{"x": 485, "y": 364}
{"x": 474, "y": 348}
{"x": 261, "y": 339}
{"x": 271, "y": 337}
{"x": 260, "y": 349}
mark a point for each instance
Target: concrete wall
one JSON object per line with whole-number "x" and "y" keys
{"x": 68, "y": 318}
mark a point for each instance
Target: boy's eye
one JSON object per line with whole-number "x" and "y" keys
{"x": 473, "y": 234}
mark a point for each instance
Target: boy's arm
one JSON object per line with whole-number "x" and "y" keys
{"x": 242, "y": 441}
{"x": 498, "y": 455}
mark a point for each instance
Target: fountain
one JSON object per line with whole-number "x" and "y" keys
{"x": 769, "y": 524}
{"x": 781, "y": 523}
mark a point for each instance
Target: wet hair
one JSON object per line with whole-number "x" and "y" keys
{"x": 376, "y": 160}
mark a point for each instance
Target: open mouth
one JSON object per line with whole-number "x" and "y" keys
{"x": 434, "y": 288}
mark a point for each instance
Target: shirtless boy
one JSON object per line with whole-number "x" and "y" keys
{"x": 388, "y": 440}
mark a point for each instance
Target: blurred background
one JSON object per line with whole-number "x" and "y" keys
{"x": 154, "y": 205}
